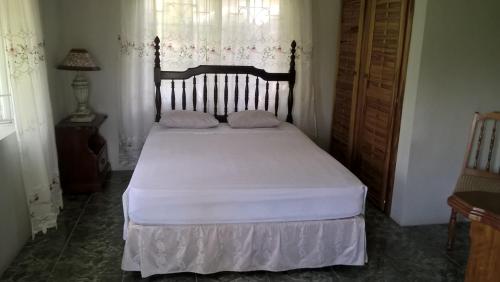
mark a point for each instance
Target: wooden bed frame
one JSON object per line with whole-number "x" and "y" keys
{"x": 143, "y": 251}
{"x": 160, "y": 75}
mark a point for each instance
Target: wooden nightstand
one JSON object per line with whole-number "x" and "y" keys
{"x": 83, "y": 155}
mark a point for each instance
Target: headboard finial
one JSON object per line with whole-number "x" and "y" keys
{"x": 157, "y": 71}
{"x": 157, "y": 52}
{"x": 289, "y": 117}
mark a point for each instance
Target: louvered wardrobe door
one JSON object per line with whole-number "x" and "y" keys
{"x": 351, "y": 34}
{"x": 377, "y": 107}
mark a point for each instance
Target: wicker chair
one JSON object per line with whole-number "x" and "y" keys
{"x": 480, "y": 171}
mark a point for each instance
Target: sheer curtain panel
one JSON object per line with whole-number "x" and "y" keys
{"x": 195, "y": 32}
{"x": 23, "y": 50}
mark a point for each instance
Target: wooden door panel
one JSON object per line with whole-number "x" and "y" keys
{"x": 378, "y": 93}
{"x": 347, "y": 79}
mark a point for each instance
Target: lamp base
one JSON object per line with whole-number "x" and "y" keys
{"x": 82, "y": 118}
{"x": 81, "y": 91}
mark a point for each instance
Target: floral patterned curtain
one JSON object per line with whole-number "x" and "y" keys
{"x": 22, "y": 48}
{"x": 194, "y": 32}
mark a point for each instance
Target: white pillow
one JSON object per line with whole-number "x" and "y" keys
{"x": 252, "y": 119}
{"x": 188, "y": 119}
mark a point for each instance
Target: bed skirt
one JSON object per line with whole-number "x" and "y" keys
{"x": 272, "y": 246}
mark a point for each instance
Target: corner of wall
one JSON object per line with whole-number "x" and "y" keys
{"x": 408, "y": 112}
{"x": 50, "y": 16}
{"x": 326, "y": 32}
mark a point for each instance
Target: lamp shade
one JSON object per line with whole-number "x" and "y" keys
{"x": 79, "y": 60}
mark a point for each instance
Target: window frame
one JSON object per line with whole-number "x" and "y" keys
{"x": 6, "y": 102}
{"x": 6, "y": 114}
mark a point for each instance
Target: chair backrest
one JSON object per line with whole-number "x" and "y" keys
{"x": 482, "y": 157}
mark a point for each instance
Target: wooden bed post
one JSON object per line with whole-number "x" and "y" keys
{"x": 291, "y": 83}
{"x": 157, "y": 78}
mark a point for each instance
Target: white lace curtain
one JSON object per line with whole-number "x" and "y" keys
{"x": 193, "y": 32}
{"x": 22, "y": 48}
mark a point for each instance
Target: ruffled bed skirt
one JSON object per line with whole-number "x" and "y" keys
{"x": 276, "y": 246}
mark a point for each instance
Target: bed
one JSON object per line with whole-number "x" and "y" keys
{"x": 226, "y": 199}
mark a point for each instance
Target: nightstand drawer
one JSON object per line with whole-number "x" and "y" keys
{"x": 102, "y": 158}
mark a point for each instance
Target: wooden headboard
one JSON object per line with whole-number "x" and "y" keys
{"x": 203, "y": 70}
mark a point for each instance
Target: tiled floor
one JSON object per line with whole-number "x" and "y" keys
{"x": 87, "y": 246}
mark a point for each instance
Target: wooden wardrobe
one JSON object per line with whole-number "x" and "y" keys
{"x": 373, "y": 53}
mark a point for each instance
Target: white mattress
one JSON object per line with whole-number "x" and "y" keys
{"x": 225, "y": 175}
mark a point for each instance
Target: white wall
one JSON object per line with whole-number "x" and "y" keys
{"x": 408, "y": 113}
{"x": 14, "y": 216}
{"x": 458, "y": 74}
{"x": 326, "y": 28}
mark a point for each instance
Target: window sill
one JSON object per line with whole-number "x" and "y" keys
{"x": 6, "y": 130}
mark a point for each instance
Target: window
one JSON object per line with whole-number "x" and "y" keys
{"x": 241, "y": 32}
{"x": 256, "y": 12}
{"x": 6, "y": 114}
{"x": 5, "y": 109}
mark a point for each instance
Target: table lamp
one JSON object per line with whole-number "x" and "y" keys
{"x": 79, "y": 60}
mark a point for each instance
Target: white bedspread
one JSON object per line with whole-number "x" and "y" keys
{"x": 224, "y": 175}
